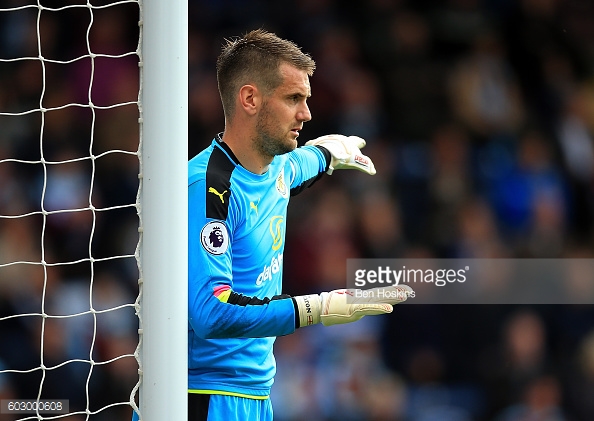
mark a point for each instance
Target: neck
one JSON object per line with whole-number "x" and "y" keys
{"x": 242, "y": 146}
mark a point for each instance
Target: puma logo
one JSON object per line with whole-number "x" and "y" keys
{"x": 254, "y": 207}
{"x": 214, "y": 191}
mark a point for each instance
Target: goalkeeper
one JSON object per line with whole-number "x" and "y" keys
{"x": 239, "y": 189}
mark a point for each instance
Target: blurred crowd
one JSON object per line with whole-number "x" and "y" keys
{"x": 479, "y": 116}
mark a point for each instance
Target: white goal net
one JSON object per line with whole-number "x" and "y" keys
{"x": 71, "y": 216}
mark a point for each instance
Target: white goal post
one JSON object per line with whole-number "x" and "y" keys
{"x": 164, "y": 209}
{"x": 69, "y": 139}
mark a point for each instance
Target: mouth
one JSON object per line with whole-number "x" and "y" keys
{"x": 295, "y": 132}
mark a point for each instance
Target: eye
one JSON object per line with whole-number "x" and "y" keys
{"x": 296, "y": 98}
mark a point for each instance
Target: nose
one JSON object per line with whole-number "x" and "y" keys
{"x": 304, "y": 114}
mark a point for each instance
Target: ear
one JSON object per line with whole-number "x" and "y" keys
{"x": 250, "y": 99}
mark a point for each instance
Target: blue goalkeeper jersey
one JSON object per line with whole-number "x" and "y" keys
{"x": 237, "y": 223}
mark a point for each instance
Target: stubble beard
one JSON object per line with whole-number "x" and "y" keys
{"x": 268, "y": 144}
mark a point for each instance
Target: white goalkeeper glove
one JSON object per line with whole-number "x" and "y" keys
{"x": 346, "y": 152}
{"x": 349, "y": 305}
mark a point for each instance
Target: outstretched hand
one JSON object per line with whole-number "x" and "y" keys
{"x": 346, "y": 152}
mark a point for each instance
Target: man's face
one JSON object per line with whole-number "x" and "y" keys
{"x": 283, "y": 113}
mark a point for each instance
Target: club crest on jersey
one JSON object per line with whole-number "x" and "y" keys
{"x": 281, "y": 186}
{"x": 215, "y": 238}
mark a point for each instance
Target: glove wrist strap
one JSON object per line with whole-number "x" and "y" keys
{"x": 309, "y": 308}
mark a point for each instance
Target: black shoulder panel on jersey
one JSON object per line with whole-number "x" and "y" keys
{"x": 218, "y": 185}
{"x": 243, "y": 300}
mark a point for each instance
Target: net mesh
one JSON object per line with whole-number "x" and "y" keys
{"x": 69, "y": 236}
